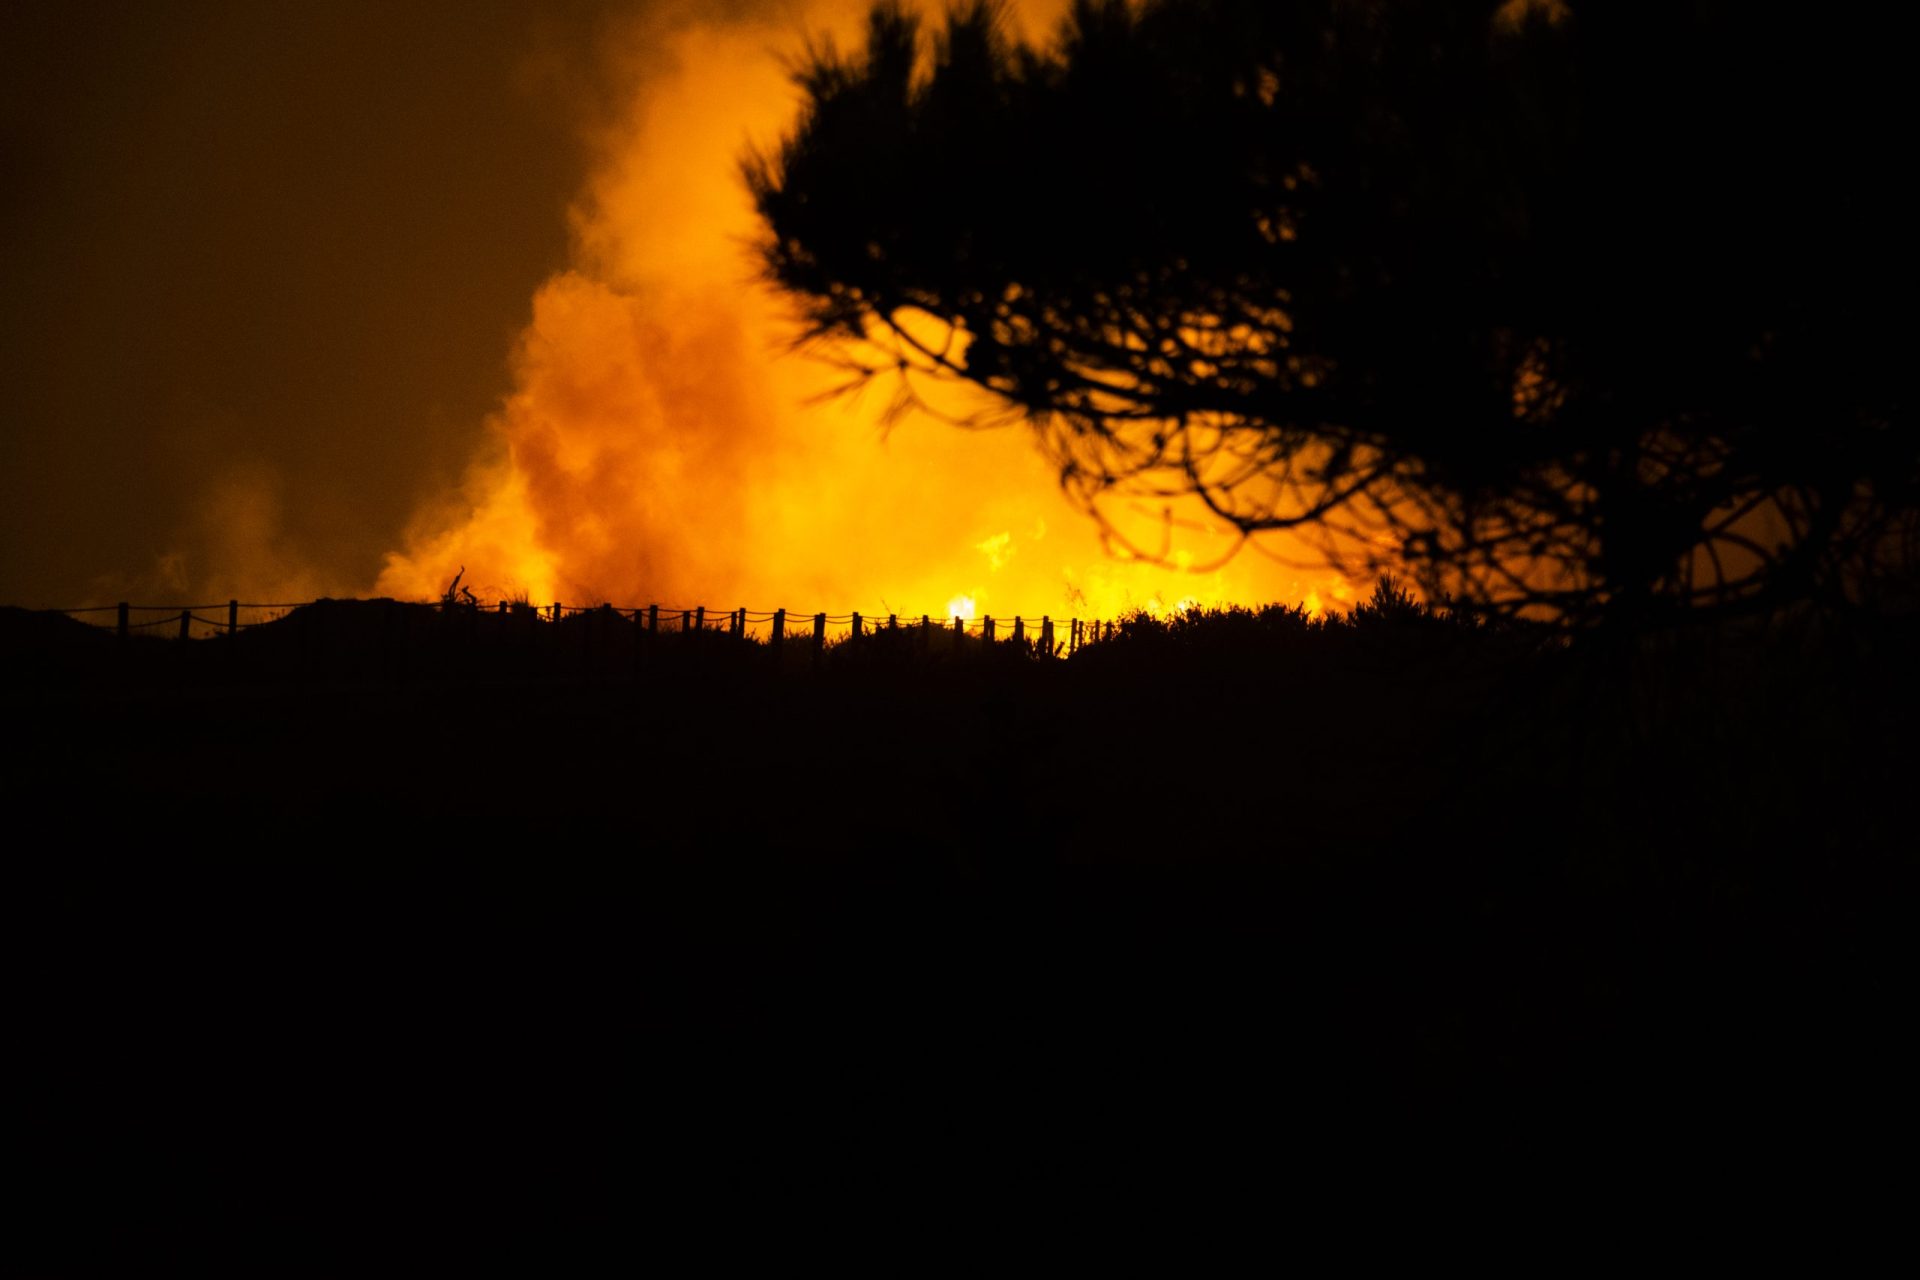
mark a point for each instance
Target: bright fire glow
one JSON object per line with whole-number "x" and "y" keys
{"x": 660, "y": 444}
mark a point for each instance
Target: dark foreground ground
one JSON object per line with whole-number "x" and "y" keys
{"x": 539, "y": 954}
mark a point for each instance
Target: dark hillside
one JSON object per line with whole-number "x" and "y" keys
{"x": 493, "y": 926}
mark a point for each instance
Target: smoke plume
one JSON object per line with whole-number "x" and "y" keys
{"x": 662, "y": 444}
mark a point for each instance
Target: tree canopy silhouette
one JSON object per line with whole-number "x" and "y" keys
{"x": 1571, "y": 309}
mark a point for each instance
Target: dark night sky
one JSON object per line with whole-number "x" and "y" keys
{"x": 278, "y": 244}
{"x": 267, "y": 263}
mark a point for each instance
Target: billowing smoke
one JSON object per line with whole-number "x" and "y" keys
{"x": 661, "y": 444}
{"x": 338, "y": 299}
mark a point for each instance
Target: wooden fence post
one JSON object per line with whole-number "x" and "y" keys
{"x": 856, "y": 627}
{"x": 556, "y": 611}
{"x": 186, "y": 618}
{"x": 959, "y": 632}
{"x": 819, "y": 637}
{"x": 986, "y": 628}
{"x": 653, "y": 621}
{"x": 1046, "y": 636}
{"x": 700, "y": 618}
{"x": 779, "y": 630}
{"x": 1019, "y": 631}
{"x": 686, "y": 622}
{"x": 123, "y": 619}
{"x": 926, "y": 632}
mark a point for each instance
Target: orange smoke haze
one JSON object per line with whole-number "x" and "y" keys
{"x": 661, "y": 443}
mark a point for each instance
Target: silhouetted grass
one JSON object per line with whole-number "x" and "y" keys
{"x": 1291, "y": 877}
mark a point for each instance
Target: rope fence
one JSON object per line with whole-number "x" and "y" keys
{"x": 776, "y": 628}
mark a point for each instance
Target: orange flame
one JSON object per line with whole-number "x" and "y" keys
{"x": 660, "y": 444}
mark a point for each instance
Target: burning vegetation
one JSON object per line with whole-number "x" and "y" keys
{"x": 666, "y": 440}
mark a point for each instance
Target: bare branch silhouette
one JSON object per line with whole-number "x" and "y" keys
{"x": 1507, "y": 298}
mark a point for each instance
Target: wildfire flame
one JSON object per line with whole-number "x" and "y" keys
{"x": 661, "y": 444}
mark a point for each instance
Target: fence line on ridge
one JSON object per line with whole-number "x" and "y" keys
{"x": 775, "y": 627}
